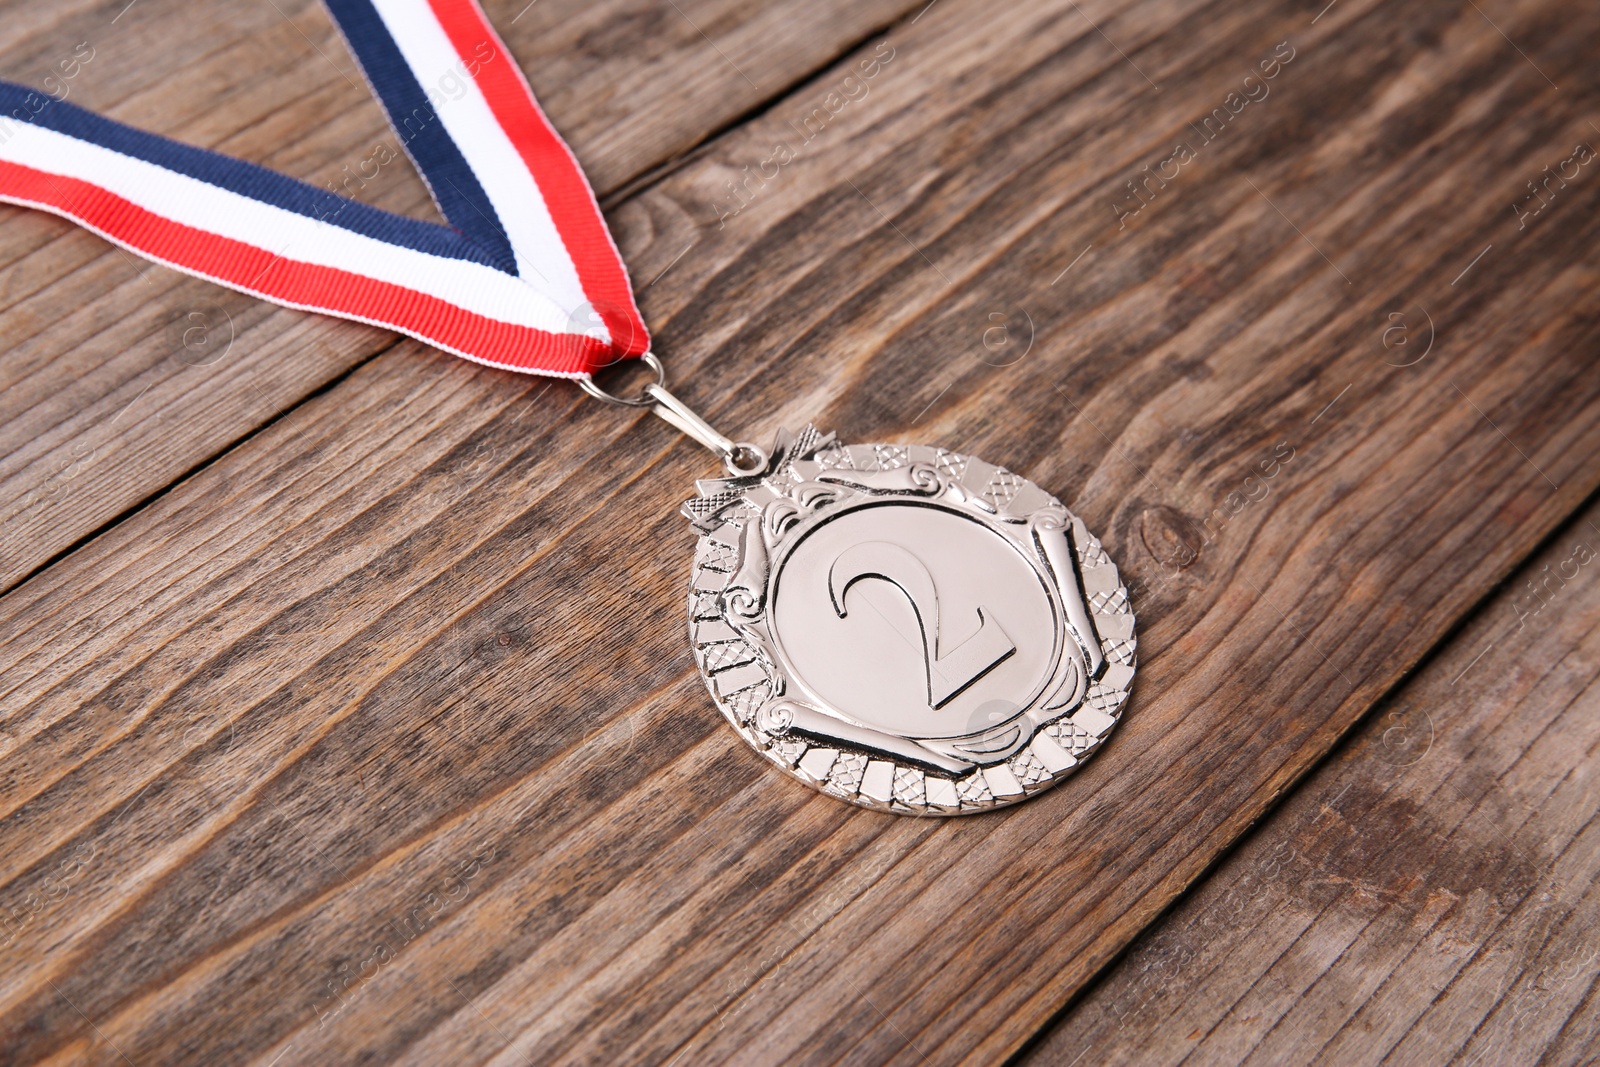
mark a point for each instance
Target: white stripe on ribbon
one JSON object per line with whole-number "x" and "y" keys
{"x": 541, "y": 253}
{"x": 474, "y": 287}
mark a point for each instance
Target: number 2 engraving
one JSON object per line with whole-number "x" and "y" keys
{"x": 948, "y": 674}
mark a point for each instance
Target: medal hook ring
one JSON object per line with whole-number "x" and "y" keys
{"x": 739, "y": 457}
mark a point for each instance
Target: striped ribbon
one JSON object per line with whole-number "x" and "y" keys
{"x": 524, "y": 277}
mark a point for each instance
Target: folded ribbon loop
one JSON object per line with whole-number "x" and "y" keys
{"x": 525, "y": 276}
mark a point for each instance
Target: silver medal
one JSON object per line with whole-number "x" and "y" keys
{"x": 907, "y": 628}
{"x": 904, "y": 627}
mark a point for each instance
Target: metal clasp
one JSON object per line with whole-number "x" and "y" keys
{"x": 739, "y": 457}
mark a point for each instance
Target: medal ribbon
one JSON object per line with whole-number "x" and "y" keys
{"x": 524, "y": 277}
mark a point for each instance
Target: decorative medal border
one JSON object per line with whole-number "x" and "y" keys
{"x": 744, "y": 680}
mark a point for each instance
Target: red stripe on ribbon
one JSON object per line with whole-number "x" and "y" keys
{"x": 306, "y": 285}
{"x": 561, "y": 181}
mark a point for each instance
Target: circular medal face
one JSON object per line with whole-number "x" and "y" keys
{"x": 905, "y": 627}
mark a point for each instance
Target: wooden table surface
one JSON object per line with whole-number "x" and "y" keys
{"x": 345, "y": 708}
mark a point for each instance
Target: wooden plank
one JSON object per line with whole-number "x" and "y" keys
{"x": 380, "y": 728}
{"x": 117, "y": 377}
{"x": 1429, "y": 896}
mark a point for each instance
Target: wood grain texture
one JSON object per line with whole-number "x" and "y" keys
{"x": 1429, "y": 896}
{"x": 117, "y": 377}
{"x": 376, "y": 739}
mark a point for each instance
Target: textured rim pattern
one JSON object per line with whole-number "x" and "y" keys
{"x": 743, "y": 678}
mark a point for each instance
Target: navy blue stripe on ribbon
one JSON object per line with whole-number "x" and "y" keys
{"x": 18, "y": 103}
{"x": 449, "y": 177}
